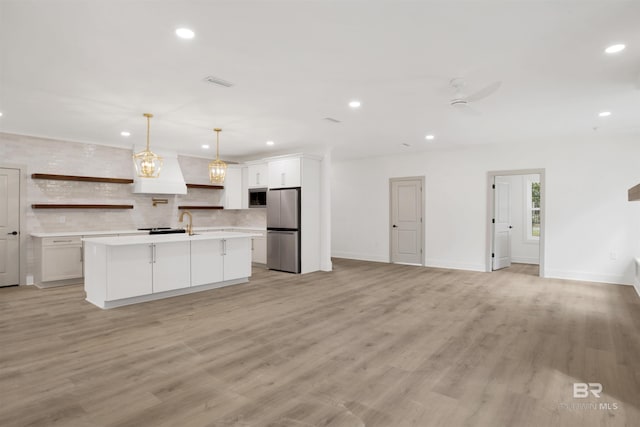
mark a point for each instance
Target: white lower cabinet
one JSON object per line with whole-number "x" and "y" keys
{"x": 61, "y": 262}
{"x": 135, "y": 270}
{"x": 259, "y": 250}
{"x": 129, "y": 271}
{"x": 171, "y": 266}
{"x": 61, "y": 258}
{"x": 236, "y": 258}
{"x": 206, "y": 262}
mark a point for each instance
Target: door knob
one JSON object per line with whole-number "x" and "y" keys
{"x": 395, "y": 226}
{"x": 510, "y": 226}
{"x": 13, "y": 233}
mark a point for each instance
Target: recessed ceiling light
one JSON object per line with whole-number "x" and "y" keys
{"x": 604, "y": 113}
{"x": 354, "y": 104}
{"x": 429, "y": 137}
{"x": 125, "y": 133}
{"x": 205, "y": 146}
{"x": 185, "y": 33}
{"x": 270, "y": 142}
{"x": 615, "y": 48}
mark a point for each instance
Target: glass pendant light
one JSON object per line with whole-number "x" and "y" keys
{"x": 147, "y": 163}
{"x": 217, "y": 168}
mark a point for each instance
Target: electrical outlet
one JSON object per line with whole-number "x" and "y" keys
{"x": 613, "y": 256}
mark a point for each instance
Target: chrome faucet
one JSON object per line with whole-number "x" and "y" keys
{"x": 190, "y": 225}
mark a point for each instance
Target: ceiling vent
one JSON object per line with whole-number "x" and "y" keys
{"x": 217, "y": 81}
{"x": 332, "y": 120}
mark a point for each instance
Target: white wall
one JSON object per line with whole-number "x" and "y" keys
{"x": 522, "y": 250}
{"x": 588, "y": 218}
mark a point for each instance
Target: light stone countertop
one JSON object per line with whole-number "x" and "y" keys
{"x": 164, "y": 238}
{"x": 97, "y": 233}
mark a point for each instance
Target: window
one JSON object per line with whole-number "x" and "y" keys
{"x": 532, "y": 210}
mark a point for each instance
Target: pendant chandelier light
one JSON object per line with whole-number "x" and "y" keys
{"x": 217, "y": 168}
{"x": 147, "y": 163}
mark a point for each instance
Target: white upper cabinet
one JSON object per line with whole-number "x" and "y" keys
{"x": 285, "y": 173}
{"x": 258, "y": 175}
{"x": 234, "y": 195}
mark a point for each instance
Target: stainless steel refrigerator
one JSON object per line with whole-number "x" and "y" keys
{"x": 283, "y": 230}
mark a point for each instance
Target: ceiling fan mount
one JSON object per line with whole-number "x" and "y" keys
{"x": 462, "y": 101}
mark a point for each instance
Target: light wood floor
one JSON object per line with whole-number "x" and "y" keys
{"x": 369, "y": 344}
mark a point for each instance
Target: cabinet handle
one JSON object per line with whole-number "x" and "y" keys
{"x": 81, "y": 254}
{"x": 154, "y": 253}
{"x": 62, "y": 241}
{"x": 258, "y": 178}
{"x": 151, "y": 261}
{"x": 251, "y": 244}
{"x": 224, "y": 247}
{"x": 282, "y": 178}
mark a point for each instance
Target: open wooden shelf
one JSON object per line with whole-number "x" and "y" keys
{"x": 206, "y": 186}
{"x": 634, "y": 193}
{"x": 81, "y": 178}
{"x": 71, "y": 206}
{"x": 200, "y": 207}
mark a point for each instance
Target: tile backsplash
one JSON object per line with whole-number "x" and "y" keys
{"x": 41, "y": 155}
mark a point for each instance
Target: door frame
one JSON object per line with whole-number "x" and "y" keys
{"x": 22, "y": 178}
{"x": 423, "y": 211}
{"x": 491, "y": 175}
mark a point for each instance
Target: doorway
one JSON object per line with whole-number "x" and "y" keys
{"x": 406, "y": 227}
{"x": 516, "y": 227}
{"x": 10, "y": 227}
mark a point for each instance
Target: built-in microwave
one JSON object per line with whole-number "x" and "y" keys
{"x": 257, "y": 197}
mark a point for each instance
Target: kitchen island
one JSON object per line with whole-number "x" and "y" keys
{"x": 131, "y": 269}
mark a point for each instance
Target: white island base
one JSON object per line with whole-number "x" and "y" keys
{"x": 132, "y": 269}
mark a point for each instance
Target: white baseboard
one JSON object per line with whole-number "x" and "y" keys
{"x": 454, "y": 265}
{"x": 525, "y": 260}
{"x": 586, "y": 277}
{"x": 359, "y": 256}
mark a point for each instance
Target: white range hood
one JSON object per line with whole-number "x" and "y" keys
{"x": 170, "y": 180}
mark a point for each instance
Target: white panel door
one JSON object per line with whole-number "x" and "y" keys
{"x": 9, "y": 227}
{"x": 502, "y": 224}
{"x": 237, "y": 258}
{"x": 206, "y": 262}
{"x": 129, "y": 271}
{"x": 171, "y": 266}
{"x": 406, "y": 221}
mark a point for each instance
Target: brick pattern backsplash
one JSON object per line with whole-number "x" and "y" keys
{"x": 41, "y": 155}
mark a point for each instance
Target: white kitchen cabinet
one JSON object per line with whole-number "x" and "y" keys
{"x": 129, "y": 271}
{"x": 206, "y": 262}
{"x": 234, "y": 196}
{"x": 258, "y": 175}
{"x": 284, "y": 173}
{"x": 236, "y": 258}
{"x": 59, "y": 260}
{"x": 171, "y": 266}
{"x": 136, "y": 270}
{"x": 259, "y": 249}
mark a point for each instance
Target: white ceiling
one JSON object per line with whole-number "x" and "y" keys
{"x": 86, "y": 70}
